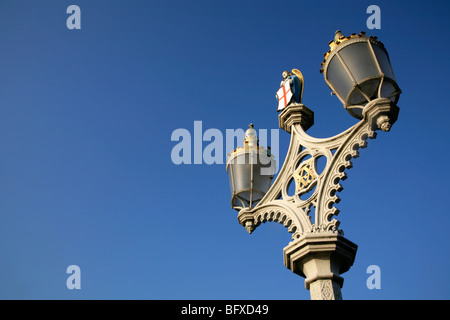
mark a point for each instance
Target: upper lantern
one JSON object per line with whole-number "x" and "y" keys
{"x": 357, "y": 69}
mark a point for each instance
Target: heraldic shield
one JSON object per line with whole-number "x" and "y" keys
{"x": 284, "y": 95}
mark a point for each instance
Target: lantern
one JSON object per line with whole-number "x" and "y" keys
{"x": 357, "y": 69}
{"x": 250, "y": 171}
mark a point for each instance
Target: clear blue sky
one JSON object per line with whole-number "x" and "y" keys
{"x": 86, "y": 176}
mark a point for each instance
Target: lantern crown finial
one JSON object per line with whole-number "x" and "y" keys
{"x": 337, "y": 35}
{"x": 251, "y": 138}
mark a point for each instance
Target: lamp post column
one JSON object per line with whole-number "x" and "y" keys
{"x": 320, "y": 258}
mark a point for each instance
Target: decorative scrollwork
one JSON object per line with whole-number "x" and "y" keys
{"x": 330, "y": 185}
{"x": 293, "y": 212}
{"x": 277, "y": 211}
{"x": 305, "y": 176}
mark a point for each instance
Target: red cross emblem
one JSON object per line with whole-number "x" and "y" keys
{"x": 284, "y": 95}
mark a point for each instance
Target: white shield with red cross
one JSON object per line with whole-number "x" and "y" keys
{"x": 284, "y": 95}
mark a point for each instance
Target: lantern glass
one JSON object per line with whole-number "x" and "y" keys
{"x": 389, "y": 90}
{"x": 339, "y": 77}
{"x": 360, "y": 61}
{"x": 358, "y": 70}
{"x": 240, "y": 169}
{"x": 384, "y": 62}
{"x": 250, "y": 174}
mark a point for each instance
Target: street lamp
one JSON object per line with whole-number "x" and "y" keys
{"x": 358, "y": 71}
{"x": 250, "y": 171}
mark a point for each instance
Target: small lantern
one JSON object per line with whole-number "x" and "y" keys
{"x": 250, "y": 170}
{"x": 357, "y": 69}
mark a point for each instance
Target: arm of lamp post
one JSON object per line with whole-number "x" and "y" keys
{"x": 277, "y": 205}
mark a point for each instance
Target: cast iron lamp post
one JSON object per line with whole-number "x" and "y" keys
{"x": 358, "y": 71}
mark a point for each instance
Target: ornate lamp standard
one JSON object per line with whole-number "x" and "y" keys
{"x": 358, "y": 71}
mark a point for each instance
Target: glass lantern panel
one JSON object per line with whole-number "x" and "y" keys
{"x": 383, "y": 60}
{"x": 359, "y": 59}
{"x": 370, "y": 87}
{"x": 240, "y": 175}
{"x": 339, "y": 78}
{"x": 355, "y": 112}
{"x": 240, "y": 168}
{"x": 238, "y": 202}
{"x": 356, "y": 98}
{"x": 388, "y": 90}
{"x": 230, "y": 178}
{"x": 245, "y": 195}
{"x": 261, "y": 180}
